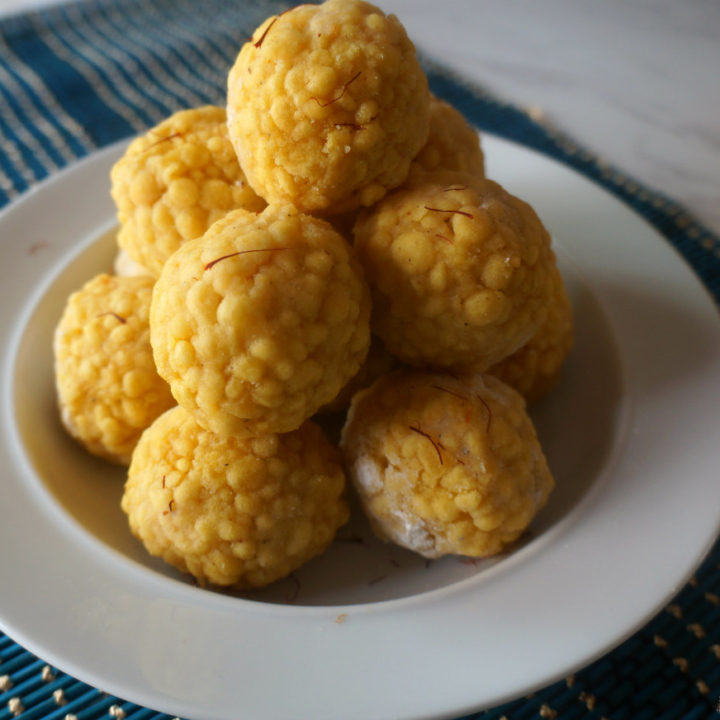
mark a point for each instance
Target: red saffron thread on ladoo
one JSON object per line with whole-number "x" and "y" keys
{"x": 342, "y": 92}
{"x": 434, "y": 444}
{"x": 455, "y": 212}
{"x": 489, "y": 412}
{"x": 214, "y": 262}
{"x": 274, "y": 20}
{"x": 119, "y": 318}
{"x": 264, "y": 35}
{"x": 449, "y": 392}
{"x": 164, "y": 139}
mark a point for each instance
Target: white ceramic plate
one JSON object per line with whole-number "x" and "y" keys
{"x": 368, "y": 631}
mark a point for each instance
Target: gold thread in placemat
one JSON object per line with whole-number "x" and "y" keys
{"x": 588, "y": 698}
{"x": 697, "y": 630}
{"x": 675, "y": 610}
{"x": 15, "y": 706}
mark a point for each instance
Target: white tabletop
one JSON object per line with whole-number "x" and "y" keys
{"x": 634, "y": 82}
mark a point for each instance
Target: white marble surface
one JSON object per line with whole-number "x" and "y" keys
{"x": 637, "y": 82}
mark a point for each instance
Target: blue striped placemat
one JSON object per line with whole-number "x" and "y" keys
{"x": 77, "y": 77}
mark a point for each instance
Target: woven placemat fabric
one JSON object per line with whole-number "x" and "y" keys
{"x": 77, "y": 77}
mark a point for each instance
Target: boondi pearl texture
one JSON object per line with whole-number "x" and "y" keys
{"x": 230, "y": 511}
{"x": 175, "y": 181}
{"x": 452, "y": 144}
{"x": 459, "y": 269}
{"x": 108, "y": 388}
{"x": 261, "y": 321}
{"x": 533, "y": 370}
{"x": 326, "y": 243}
{"x": 445, "y": 464}
{"x": 327, "y": 105}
